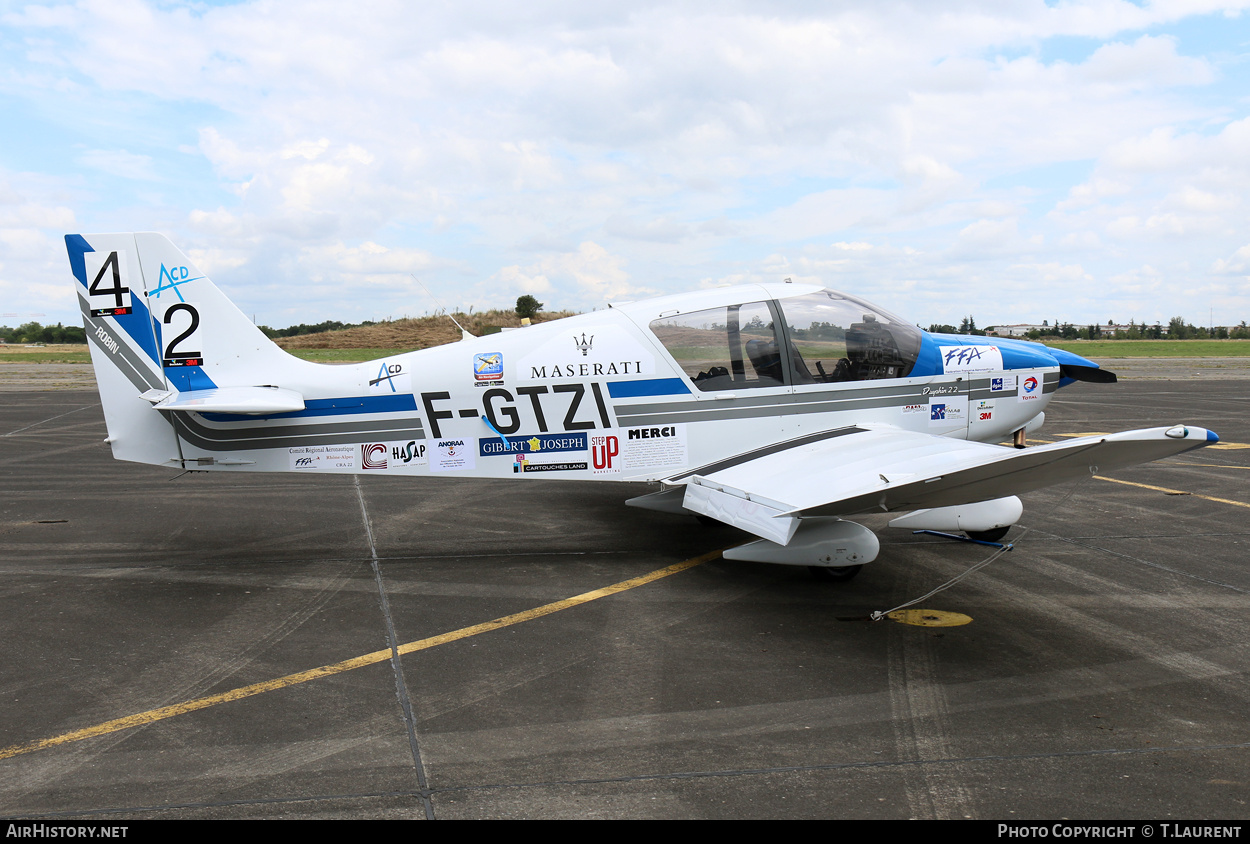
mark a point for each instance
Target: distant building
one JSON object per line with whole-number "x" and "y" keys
{"x": 1016, "y": 330}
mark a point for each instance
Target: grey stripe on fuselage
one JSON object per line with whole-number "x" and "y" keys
{"x": 198, "y": 434}
{"x": 745, "y": 406}
{"x": 134, "y": 368}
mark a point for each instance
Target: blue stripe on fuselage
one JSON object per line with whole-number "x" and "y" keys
{"x": 649, "y": 387}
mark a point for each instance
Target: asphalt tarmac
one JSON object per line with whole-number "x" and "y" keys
{"x": 220, "y": 647}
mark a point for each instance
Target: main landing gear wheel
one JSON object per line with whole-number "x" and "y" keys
{"x": 988, "y": 535}
{"x": 834, "y": 575}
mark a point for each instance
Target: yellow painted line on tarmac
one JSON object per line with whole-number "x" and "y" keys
{"x": 153, "y": 715}
{"x": 1174, "y": 491}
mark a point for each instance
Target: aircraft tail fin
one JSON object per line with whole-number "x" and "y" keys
{"x": 160, "y": 330}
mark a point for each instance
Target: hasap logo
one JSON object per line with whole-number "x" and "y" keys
{"x": 1030, "y": 384}
{"x": 412, "y": 451}
{"x": 602, "y": 450}
{"x": 368, "y": 458}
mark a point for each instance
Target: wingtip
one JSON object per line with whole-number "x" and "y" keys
{"x": 1212, "y": 437}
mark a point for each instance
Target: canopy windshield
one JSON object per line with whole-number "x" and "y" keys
{"x": 835, "y": 337}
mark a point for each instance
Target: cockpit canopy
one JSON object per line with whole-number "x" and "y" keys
{"x": 826, "y": 337}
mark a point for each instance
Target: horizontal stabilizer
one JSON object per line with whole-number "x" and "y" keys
{"x": 247, "y": 400}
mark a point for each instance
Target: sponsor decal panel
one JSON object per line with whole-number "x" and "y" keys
{"x": 605, "y": 454}
{"x": 488, "y": 369}
{"x": 373, "y": 455}
{"x": 410, "y": 453}
{"x": 984, "y": 411}
{"x": 1030, "y": 388}
{"x": 599, "y": 352}
{"x": 654, "y": 446}
{"x": 523, "y": 465}
{"x": 970, "y": 358}
{"x": 392, "y": 377}
{"x": 618, "y": 450}
{"x": 395, "y": 455}
{"x": 948, "y": 410}
{"x": 532, "y": 444}
{"x": 320, "y": 458}
{"x": 452, "y": 455}
{"x": 1003, "y": 384}
{"x": 909, "y": 409}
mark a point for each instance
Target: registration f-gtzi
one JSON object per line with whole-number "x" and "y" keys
{"x": 778, "y": 408}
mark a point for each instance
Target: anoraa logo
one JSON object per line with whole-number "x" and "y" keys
{"x": 368, "y": 452}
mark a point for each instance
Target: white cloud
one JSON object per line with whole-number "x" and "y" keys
{"x": 548, "y": 148}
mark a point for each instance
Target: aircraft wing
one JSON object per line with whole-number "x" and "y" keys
{"x": 860, "y": 469}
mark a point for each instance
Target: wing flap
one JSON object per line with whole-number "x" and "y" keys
{"x": 742, "y": 509}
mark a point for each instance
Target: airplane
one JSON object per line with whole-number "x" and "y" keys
{"x": 778, "y": 408}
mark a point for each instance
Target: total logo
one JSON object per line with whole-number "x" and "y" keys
{"x": 1030, "y": 389}
{"x": 1030, "y": 384}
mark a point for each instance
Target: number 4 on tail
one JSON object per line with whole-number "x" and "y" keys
{"x": 113, "y": 300}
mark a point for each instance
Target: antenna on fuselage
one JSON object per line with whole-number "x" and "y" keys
{"x": 464, "y": 335}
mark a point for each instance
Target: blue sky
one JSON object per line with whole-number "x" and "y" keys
{"x": 1017, "y": 161}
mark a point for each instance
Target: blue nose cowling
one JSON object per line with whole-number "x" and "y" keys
{"x": 1017, "y": 354}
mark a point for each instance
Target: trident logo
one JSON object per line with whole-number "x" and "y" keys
{"x": 584, "y": 344}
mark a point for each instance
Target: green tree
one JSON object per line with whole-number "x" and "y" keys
{"x": 527, "y": 307}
